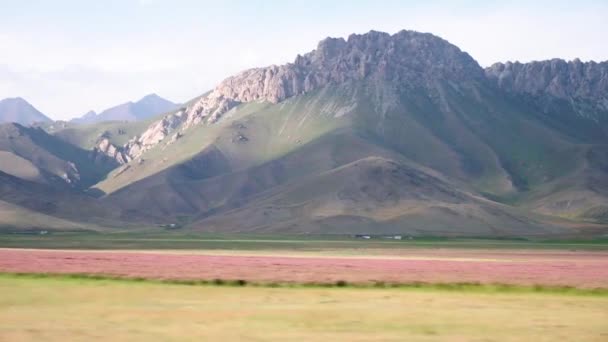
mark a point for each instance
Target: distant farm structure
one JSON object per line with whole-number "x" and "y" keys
{"x": 382, "y": 236}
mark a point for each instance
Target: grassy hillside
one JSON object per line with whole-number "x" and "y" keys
{"x": 28, "y": 204}
{"x": 86, "y": 136}
{"x": 14, "y": 218}
{"x": 444, "y": 159}
{"x": 312, "y": 162}
{"x": 249, "y": 135}
{"x": 33, "y": 154}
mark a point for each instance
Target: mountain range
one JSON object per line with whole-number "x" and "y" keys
{"x": 20, "y": 111}
{"x": 147, "y": 107}
{"x": 377, "y": 133}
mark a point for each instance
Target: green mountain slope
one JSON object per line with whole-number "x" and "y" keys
{"x": 18, "y": 219}
{"x": 35, "y": 206}
{"x": 33, "y": 154}
{"x": 377, "y": 133}
{"x": 87, "y": 136}
{"x": 242, "y": 169}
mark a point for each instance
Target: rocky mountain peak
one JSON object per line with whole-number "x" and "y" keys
{"x": 18, "y": 110}
{"x": 90, "y": 114}
{"x": 16, "y": 100}
{"x": 555, "y": 77}
{"x": 327, "y": 49}
{"x": 402, "y": 57}
{"x": 151, "y": 98}
{"x": 580, "y": 86}
{"x": 144, "y": 108}
{"x": 407, "y": 59}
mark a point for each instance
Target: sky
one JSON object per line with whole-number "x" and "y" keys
{"x": 67, "y": 57}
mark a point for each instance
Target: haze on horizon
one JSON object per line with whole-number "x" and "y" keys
{"x": 67, "y": 57}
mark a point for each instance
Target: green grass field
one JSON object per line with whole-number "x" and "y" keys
{"x": 269, "y": 242}
{"x": 60, "y": 308}
{"x": 77, "y": 307}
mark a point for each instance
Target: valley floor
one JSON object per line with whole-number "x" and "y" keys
{"x": 178, "y": 287}
{"x": 58, "y": 309}
{"x": 334, "y": 244}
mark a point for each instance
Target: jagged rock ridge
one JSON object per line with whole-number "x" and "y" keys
{"x": 571, "y": 81}
{"x": 405, "y": 59}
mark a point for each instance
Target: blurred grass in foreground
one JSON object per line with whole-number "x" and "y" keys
{"x": 78, "y": 309}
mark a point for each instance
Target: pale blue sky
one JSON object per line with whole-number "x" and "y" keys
{"x": 70, "y": 56}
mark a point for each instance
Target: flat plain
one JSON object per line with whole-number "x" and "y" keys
{"x": 580, "y": 269}
{"x": 237, "y": 287}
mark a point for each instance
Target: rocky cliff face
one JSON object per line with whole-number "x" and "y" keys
{"x": 105, "y": 149}
{"x": 555, "y": 79}
{"x": 406, "y": 59}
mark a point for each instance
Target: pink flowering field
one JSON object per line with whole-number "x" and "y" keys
{"x": 554, "y": 268}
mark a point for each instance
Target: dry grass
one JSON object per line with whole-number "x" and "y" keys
{"x": 77, "y": 310}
